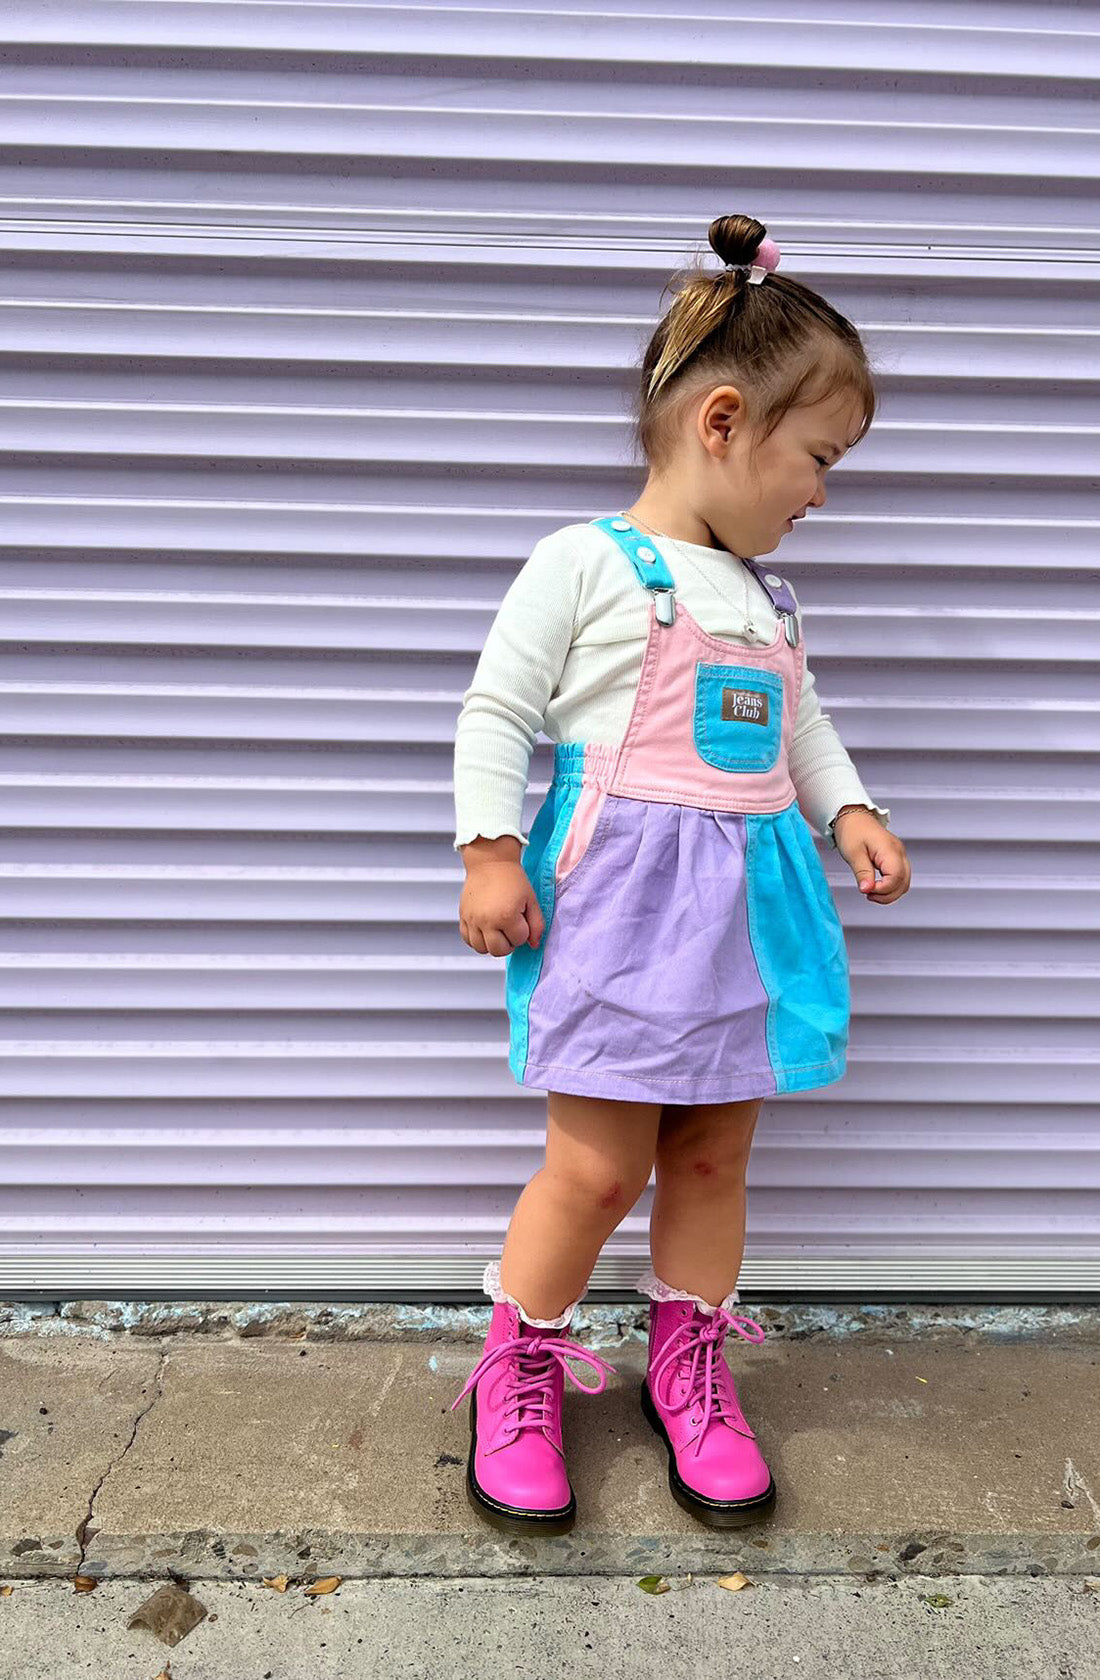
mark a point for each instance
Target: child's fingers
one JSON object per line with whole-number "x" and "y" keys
{"x": 863, "y": 865}
{"x": 894, "y": 869}
{"x": 863, "y": 868}
{"x": 536, "y": 921}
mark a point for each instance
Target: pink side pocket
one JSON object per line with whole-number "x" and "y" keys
{"x": 580, "y": 831}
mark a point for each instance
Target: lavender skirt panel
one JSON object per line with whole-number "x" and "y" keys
{"x": 648, "y": 988}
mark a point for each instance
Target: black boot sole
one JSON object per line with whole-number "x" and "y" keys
{"x": 715, "y": 1513}
{"x": 512, "y": 1519}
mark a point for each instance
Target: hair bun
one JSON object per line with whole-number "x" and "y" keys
{"x": 737, "y": 240}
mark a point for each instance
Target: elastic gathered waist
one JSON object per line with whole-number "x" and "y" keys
{"x": 576, "y": 761}
{"x": 592, "y": 764}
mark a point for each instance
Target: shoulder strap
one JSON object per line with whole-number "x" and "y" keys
{"x": 648, "y": 562}
{"x": 777, "y": 589}
{"x": 781, "y": 596}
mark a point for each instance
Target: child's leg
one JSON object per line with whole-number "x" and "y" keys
{"x": 599, "y": 1155}
{"x": 697, "y": 1223}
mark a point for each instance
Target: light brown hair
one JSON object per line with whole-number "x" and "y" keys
{"x": 779, "y": 342}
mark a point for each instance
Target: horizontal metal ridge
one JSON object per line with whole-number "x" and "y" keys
{"x": 322, "y": 716}
{"x": 148, "y": 980}
{"x": 883, "y": 252}
{"x": 279, "y": 806}
{"x": 884, "y": 1218}
{"x": 404, "y": 874}
{"x": 330, "y": 1052}
{"x": 468, "y": 969}
{"x": 408, "y": 1145}
{"x": 956, "y": 44}
{"x": 254, "y": 600}
{"x": 210, "y": 333}
{"x": 174, "y": 619}
{"x": 265, "y": 1162}
{"x": 122, "y": 997}
{"x": 100, "y": 526}
{"x": 449, "y": 141}
{"x": 102, "y": 432}
{"x": 645, "y": 244}
{"x": 143, "y": 1270}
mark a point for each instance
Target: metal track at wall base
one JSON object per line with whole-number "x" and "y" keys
{"x": 151, "y": 1274}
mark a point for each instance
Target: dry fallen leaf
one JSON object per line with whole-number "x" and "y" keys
{"x": 84, "y": 1583}
{"x": 329, "y": 1584}
{"x": 6, "y": 1592}
{"x": 171, "y": 1613}
{"x": 279, "y": 1582}
{"x": 734, "y": 1583}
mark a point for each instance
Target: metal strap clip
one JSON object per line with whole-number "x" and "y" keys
{"x": 790, "y": 627}
{"x": 664, "y": 605}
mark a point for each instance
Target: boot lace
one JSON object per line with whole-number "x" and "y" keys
{"x": 528, "y": 1395}
{"x": 698, "y": 1342}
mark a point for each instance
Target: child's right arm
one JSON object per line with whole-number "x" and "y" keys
{"x": 502, "y": 713}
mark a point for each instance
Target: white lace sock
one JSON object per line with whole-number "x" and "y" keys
{"x": 491, "y": 1284}
{"x": 657, "y": 1290}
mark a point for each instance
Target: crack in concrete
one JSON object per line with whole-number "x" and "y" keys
{"x": 83, "y": 1525}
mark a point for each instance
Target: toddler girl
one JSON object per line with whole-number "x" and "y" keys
{"x": 673, "y": 951}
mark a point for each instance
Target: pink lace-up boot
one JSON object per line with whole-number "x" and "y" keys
{"x": 715, "y": 1468}
{"x": 516, "y": 1476}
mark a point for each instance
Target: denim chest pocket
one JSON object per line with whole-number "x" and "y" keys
{"x": 738, "y": 723}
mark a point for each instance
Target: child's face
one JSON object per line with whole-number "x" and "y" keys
{"x": 752, "y": 505}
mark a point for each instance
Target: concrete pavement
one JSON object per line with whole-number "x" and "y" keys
{"x": 907, "y": 1448}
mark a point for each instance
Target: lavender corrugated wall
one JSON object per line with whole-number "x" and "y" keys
{"x": 315, "y": 318}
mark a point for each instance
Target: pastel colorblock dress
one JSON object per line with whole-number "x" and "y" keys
{"x": 692, "y": 951}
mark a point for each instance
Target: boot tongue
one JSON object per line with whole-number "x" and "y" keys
{"x": 527, "y": 1331}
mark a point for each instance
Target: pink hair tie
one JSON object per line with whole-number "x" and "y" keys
{"x": 765, "y": 262}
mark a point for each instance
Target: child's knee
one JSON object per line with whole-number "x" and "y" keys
{"x": 597, "y": 1189}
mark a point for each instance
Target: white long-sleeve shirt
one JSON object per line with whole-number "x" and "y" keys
{"x": 564, "y": 655}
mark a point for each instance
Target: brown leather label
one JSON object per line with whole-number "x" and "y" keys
{"x": 744, "y": 705}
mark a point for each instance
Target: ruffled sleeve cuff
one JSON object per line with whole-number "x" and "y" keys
{"x": 491, "y": 831}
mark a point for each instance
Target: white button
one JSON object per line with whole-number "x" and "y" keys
{"x": 770, "y": 577}
{"x": 645, "y": 554}
{"x": 620, "y": 524}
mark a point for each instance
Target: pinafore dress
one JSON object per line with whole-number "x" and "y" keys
{"x": 692, "y": 951}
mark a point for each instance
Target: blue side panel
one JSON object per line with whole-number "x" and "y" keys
{"x": 548, "y": 831}
{"x": 798, "y": 943}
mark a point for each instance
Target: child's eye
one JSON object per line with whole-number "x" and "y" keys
{"x": 821, "y": 461}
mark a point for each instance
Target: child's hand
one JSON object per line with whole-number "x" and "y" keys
{"x": 864, "y": 843}
{"x": 498, "y": 909}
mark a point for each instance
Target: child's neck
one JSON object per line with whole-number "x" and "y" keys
{"x": 667, "y": 521}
